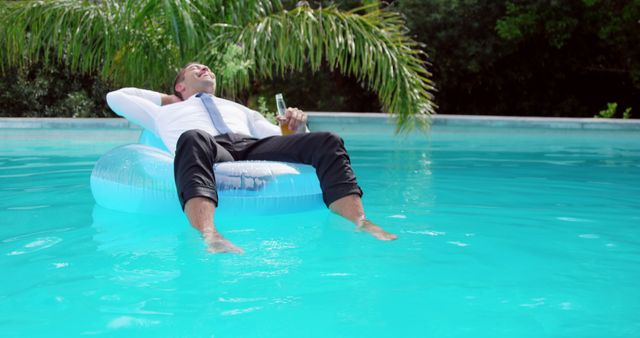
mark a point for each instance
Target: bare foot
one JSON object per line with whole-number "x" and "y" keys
{"x": 221, "y": 245}
{"x": 376, "y": 230}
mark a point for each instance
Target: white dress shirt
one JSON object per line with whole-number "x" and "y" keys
{"x": 143, "y": 107}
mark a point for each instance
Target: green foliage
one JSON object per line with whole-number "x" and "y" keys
{"x": 514, "y": 26}
{"x": 383, "y": 65}
{"x": 51, "y": 92}
{"x": 235, "y": 66}
{"x": 324, "y": 90}
{"x": 506, "y": 57}
{"x": 265, "y": 111}
{"x": 530, "y": 57}
{"x": 611, "y": 110}
{"x": 143, "y": 42}
{"x": 76, "y": 104}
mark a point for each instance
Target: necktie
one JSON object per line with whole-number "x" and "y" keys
{"x": 214, "y": 113}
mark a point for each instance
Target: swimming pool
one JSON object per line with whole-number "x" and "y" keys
{"x": 503, "y": 232}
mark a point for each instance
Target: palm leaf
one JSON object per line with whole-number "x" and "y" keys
{"x": 372, "y": 47}
{"x": 143, "y": 42}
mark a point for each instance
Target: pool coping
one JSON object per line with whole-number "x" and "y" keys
{"x": 378, "y": 119}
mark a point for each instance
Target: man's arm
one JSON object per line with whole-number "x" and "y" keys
{"x": 261, "y": 127}
{"x": 136, "y": 105}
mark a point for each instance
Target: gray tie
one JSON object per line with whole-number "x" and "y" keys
{"x": 214, "y": 113}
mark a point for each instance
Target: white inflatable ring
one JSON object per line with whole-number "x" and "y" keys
{"x": 139, "y": 178}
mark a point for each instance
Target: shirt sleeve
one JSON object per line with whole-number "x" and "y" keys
{"x": 136, "y": 105}
{"x": 260, "y": 126}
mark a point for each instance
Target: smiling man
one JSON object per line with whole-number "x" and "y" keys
{"x": 201, "y": 129}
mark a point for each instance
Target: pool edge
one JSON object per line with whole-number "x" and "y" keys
{"x": 326, "y": 119}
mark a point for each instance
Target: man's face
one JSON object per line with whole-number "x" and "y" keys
{"x": 197, "y": 78}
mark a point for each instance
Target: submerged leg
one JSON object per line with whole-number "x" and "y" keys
{"x": 350, "y": 207}
{"x": 196, "y": 152}
{"x": 200, "y": 212}
{"x": 327, "y": 154}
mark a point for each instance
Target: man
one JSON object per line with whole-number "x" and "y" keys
{"x": 200, "y": 130}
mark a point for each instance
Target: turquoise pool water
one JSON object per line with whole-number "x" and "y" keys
{"x": 502, "y": 233}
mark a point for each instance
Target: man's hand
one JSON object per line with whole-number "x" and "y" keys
{"x": 295, "y": 118}
{"x": 169, "y": 99}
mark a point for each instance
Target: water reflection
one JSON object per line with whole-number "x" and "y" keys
{"x": 120, "y": 233}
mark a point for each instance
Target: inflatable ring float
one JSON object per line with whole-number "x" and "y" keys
{"x": 138, "y": 178}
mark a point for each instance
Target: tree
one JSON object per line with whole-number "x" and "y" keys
{"x": 530, "y": 57}
{"x": 144, "y": 42}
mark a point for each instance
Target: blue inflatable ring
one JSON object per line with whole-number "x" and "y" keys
{"x": 139, "y": 178}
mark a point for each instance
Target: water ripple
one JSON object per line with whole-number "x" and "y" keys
{"x": 236, "y": 312}
{"x": 336, "y": 274}
{"x": 241, "y": 300}
{"x": 36, "y": 245}
{"x": 426, "y": 232}
{"x": 127, "y": 321}
{"x": 30, "y": 207}
{"x": 23, "y": 236}
{"x": 49, "y": 172}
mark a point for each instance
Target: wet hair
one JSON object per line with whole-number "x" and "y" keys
{"x": 180, "y": 78}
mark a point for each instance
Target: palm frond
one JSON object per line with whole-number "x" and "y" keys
{"x": 134, "y": 42}
{"x": 143, "y": 42}
{"x": 373, "y": 47}
{"x": 37, "y": 31}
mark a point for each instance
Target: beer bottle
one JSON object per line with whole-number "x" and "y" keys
{"x": 284, "y": 127}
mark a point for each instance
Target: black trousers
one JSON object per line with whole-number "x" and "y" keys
{"x": 197, "y": 151}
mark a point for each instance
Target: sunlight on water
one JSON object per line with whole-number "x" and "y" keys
{"x": 502, "y": 233}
